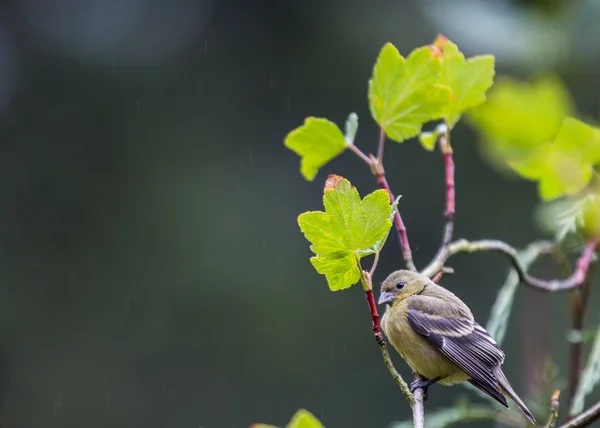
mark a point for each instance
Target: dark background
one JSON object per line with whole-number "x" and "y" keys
{"x": 152, "y": 273}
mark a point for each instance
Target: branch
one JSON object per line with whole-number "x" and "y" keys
{"x": 418, "y": 406}
{"x": 584, "y": 419}
{"x": 398, "y": 223}
{"x": 464, "y": 246}
{"x": 554, "y": 404}
{"x": 376, "y": 165}
{"x": 368, "y": 288}
{"x": 450, "y": 187}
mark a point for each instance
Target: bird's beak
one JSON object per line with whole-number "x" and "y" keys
{"x": 386, "y": 297}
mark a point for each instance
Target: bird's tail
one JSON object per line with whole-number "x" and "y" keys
{"x": 507, "y": 389}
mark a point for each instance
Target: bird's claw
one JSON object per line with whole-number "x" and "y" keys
{"x": 420, "y": 384}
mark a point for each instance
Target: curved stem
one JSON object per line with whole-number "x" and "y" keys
{"x": 464, "y": 246}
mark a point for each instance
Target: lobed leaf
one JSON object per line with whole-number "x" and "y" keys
{"x": 565, "y": 166}
{"x": 469, "y": 79}
{"x": 405, "y": 93}
{"x": 520, "y": 116}
{"x": 348, "y": 229}
{"x": 317, "y": 142}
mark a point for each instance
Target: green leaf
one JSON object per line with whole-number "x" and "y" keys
{"x": 317, "y": 142}
{"x": 304, "y": 419}
{"x": 349, "y": 229}
{"x": 572, "y": 218}
{"x": 405, "y": 93}
{"x": 565, "y": 166}
{"x": 351, "y": 128}
{"x": 340, "y": 272}
{"x": 590, "y": 377}
{"x": 520, "y": 116}
{"x": 469, "y": 79}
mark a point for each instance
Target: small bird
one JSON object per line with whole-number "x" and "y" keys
{"x": 435, "y": 332}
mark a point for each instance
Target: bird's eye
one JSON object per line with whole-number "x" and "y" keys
{"x": 400, "y": 284}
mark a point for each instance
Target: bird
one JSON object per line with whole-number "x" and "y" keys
{"x": 436, "y": 334}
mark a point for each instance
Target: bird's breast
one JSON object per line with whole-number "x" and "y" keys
{"x": 420, "y": 355}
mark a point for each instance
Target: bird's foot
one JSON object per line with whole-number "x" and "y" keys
{"x": 424, "y": 384}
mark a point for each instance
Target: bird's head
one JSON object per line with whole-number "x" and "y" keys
{"x": 401, "y": 284}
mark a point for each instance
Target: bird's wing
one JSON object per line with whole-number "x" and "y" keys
{"x": 462, "y": 341}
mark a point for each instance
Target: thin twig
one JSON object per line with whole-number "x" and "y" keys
{"x": 376, "y": 165}
{"x": 584, "y": 419}
{"x": 375, "y": 261}
{"x": 399, "y": 224}
{"x": 380, "y": 145}
{"x": 554, "y": 404}
{"x": 368, "y": 288}
{"x": 360, "y": 154}
{"x": 464, "y": 246}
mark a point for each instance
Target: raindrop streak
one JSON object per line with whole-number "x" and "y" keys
{"x": 107, "y": 401}
{"x": 264, "y": 242}
{"x": 58, "y": 403}
{"x": 271, "y": 86}
{"x": 206, "y": 46}
{"x": 251, "y": 157}
{"x": 289, "y": 104}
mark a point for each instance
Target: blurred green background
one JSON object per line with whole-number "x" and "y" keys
{"x": 152, "y": 273}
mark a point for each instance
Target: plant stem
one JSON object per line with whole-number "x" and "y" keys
{"x": 584, "y": 419}
{"x": 464, "y": 246}
{"x": 399, "y": 224}
{"x": 360, "y": 154}
{"x": 450, "y": 187}
{"x": 554, "y": 404}
{"x": 380, "y": 146}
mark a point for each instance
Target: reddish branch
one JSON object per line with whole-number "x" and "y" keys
{"x": 400, "y": 228}
{"x": 374, "y": 316}
{"x": 376, "y": 164}
{"x": 450, "y": 188}
{"x": 415, "y": 404}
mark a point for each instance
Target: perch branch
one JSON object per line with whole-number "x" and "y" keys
{"x": 584, "y": 419}
{"x": 464, "y": 246}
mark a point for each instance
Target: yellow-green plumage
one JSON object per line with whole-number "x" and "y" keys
{"x": 435, "y": 332}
